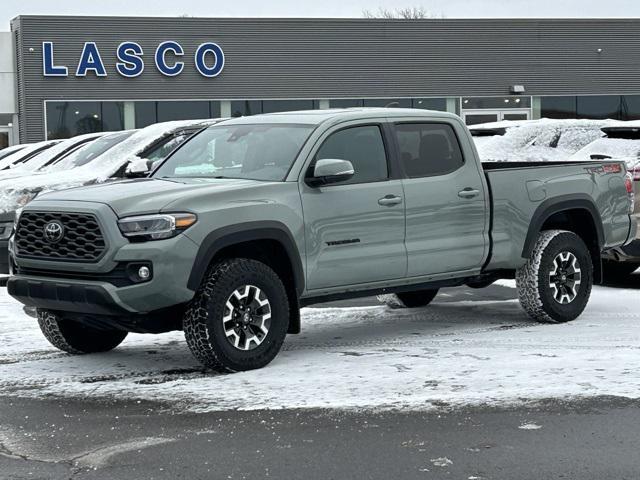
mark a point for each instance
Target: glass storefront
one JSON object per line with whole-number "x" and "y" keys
{"x": 67, "y": 119}
{"x": 148, "y": 113}
{"x": 617, "y": 107}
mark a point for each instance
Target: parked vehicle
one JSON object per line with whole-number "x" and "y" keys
{"x": 535, "y": 140}
{"x": 41, "y": 160}
{"x": 5, "y": 152}
{"x": 86, "y": 167}
{"x": 254, "y": 217}
{"x": 24, "y": 154}
{"x": 622, "y": 143}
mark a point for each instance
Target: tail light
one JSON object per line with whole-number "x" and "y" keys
{"x": 635, "y": 172}
{"x": 628, "y": 183}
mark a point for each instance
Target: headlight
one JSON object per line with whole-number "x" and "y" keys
{"x": 6, "y": 229}
{"x": 25, "y": 198}
{"x": 156, "y": 227}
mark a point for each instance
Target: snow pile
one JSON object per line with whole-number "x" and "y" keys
{"x": 456, "y": 354}
{"x": 97, "y": 171}
{"x": 540, "y": 140}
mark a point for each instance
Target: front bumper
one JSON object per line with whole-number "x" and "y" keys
{"x": 89, "y": 289}
{"x": 65, "y": 296}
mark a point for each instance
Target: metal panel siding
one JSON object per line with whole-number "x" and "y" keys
{"x": 329, "y": 58}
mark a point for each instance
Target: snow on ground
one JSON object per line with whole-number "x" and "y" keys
{"x": 461, "y": 353}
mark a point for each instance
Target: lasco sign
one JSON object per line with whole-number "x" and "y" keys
{"x": 209, "y": 60}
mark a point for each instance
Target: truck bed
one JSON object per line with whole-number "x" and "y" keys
{"x": 520, "y": 190}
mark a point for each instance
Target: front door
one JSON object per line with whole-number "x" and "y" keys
{"x": 475, "y": 117}
{"x": 355, "y": 229}
{"x": 445, "y": 201}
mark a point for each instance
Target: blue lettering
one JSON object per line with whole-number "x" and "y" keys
{"x": 130, "y": 64}
{"x": 90, "y": 60}
{"x": 218, "y": 59}
{"x": 48, "y": 67}
{"x": 161, "y": 61}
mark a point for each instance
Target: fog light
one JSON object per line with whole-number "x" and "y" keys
{"x": 144, "y": 273}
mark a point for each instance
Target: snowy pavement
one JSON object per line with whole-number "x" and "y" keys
{"x": 452, "y": 353}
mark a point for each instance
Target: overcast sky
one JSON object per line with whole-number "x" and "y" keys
{"x": 323, "y": 8}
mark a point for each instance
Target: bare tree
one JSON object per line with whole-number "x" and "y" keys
{"x": 406, "y": 13}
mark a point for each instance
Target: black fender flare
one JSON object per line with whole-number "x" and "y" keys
{"x": 245, "y": 232}
{"x": 559, "y": 204}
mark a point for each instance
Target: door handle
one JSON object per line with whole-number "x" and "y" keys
{"x": 390, "y": 200}
{"x": 468, "y": 193}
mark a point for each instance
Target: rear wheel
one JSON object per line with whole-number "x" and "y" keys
{"x": 419, "y": 298}
{"x": 75, "y": 337}
{"x": 618, "y": 270}
{"x": 239, "y": 317}
{"x": 555, "y": 283}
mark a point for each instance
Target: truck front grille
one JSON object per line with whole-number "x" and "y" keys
{"x": 81, "y": 239}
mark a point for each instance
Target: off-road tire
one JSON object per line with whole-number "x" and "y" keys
{"x": 532, "y": 279}
{"x": 76, "y": 338}
{"x": 203, "y": 326}
{"x": 618, "y": 270}
{"x": 419, "y": 298}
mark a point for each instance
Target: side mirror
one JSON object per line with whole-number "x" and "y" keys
{"x": 137, "y": 167}
{"x": 331, "y": 170}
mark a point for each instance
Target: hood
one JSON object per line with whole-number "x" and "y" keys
{"x": 146, "y": 195}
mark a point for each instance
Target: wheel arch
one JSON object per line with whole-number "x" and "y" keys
{"x": 576, "y": 213}
{"x": 267, "y": 241}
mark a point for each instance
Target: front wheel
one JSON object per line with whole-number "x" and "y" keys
{"x": 555, "y": 284}
{"x": 416, "y": 299}
{"x": 75, "y": 337}
{"x": 239, "y": 317}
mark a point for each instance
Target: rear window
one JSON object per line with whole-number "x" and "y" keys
{"x": 428, "y": 149}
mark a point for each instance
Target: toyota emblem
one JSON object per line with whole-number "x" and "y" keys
{"x": 53, "y": 232}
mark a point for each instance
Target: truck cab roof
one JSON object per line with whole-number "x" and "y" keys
{"x": 317, "y": 117}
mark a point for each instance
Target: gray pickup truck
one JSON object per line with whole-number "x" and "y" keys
{"x": 255, "y": 217}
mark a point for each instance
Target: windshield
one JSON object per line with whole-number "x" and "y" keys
{"x": 89, "y": 152}
{"x": 255, "y": 152}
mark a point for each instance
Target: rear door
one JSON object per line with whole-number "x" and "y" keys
{"x": 445, "y": 199}
{"x": 354, "y": 230}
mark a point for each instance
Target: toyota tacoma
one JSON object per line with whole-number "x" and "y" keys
{"x": 255, "y": 217}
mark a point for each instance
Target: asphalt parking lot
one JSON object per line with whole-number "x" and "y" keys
{"x": 448, "y": 412}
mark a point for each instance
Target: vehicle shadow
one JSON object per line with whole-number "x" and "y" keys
{"x": 631, "y": 282}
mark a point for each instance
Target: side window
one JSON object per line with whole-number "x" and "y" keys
{"x": 363, "y": 147}
{"x": 428, "y": 149}
{"x": 163, "y": 149}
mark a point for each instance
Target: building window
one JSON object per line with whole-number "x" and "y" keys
{"x": 388, "y": 102}
{"x": 273, "y": 106}
{"x": 346, "y": 103}
{"x": 599, "y": 107}
{"x": 68, "y": 119}
{"x": 214, "y": 109}
{"x": 112, "y": 116}
{"x": 146, "y": 114}
{"x": 182, "y": 110}
{"x": 243, "y": 108}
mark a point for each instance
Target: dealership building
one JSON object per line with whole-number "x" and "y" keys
{"x": 61, "y": 76}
